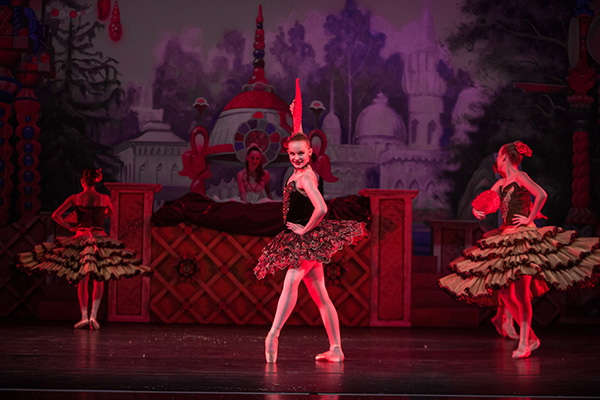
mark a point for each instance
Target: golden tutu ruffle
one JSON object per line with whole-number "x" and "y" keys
{"x": 89, "y": 252}
{"x": 288, "y": 249}
{"x": 555, "y": 258}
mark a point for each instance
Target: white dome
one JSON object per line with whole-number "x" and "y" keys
{"x": 380, "y": 121}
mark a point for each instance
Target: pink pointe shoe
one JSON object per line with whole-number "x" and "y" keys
{"x": 271, "y": 347}
{"x": 94, "y": 325}
{"x": 334, "y": 354}
{"x": 521, "y": 353}
{"x": 81, "y": 324}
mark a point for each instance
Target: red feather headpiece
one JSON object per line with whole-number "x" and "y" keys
{"x": 296, "y": 109}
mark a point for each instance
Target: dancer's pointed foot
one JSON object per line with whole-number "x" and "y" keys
{"x": 94, "y": 325}
{"x": 497, "y": 321}
{"x": 504, "y": 327}
{"x": 81, "y": 324}
{"x": 334, "y": 354}
{"x": 271, "y": 348}
{"x": 522, "y": 352}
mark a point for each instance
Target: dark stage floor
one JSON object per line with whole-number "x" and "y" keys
{"x": 181, "y": 362}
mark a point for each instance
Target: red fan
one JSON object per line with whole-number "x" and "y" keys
{"x": 487, "y": 202}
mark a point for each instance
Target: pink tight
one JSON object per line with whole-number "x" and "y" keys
{"x": 311, "y": 272}
{"x": 83, "y": 296}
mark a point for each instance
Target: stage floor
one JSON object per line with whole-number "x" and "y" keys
{"x": 151, "y": 361}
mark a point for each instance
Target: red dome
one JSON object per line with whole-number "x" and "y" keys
{"x": 257, "y": 99}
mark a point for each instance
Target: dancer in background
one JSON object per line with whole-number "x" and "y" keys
{"x": 89, "y": 255}
{"x": 521, "y": 261}
{"x": 305, "y": 245}
{"x": 253, "y": 181}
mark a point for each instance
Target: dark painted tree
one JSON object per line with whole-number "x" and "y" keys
{"x": 227, "y": 74}
{"x": 175, "y": 82}
{"x": 297, "y": 58}
{"x": 353, "y": 59}
{"x": 511, "y": 41}
{"x": 182, "y": 77}
{"x": 78, "y": 104}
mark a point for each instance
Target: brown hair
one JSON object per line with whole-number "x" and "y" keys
{"x": 91, "y": 176}
{"x": 515, "y": 151}
{"x": 297, "y": 137}
{"x": 260, "y": 172}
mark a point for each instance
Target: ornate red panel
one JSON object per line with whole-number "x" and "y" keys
{"x": 206, "y": 276}
{"x": 391, "y": 257}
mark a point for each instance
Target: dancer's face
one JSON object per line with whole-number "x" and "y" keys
{"x": 299, "y": 153}
{"x": 502, "y": 162}
{"x": 254, "y": 159}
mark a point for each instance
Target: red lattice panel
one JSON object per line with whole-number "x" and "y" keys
{"x": 221, "y": 288}
{"x": 19, "y": 292}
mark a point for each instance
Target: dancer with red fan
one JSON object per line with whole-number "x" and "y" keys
{"x": 521, "y": 261}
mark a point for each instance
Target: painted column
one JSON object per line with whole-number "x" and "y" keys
{"x": 129, "y": 299}
{"x": 391, "y": 256}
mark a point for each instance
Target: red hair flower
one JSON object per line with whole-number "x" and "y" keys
{"x": 523, "y": 149}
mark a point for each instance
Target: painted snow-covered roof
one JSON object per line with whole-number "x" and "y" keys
{"x": 157, "y": 132}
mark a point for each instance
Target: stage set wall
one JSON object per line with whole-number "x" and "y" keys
{"x": 206, "y": 276}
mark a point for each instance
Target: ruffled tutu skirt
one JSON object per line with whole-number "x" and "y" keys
{"x": 89, "y": 252}
{"x": 288, "y": 249}
{"x": 555, "y": 258}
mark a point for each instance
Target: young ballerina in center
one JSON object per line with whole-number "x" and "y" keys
{"x": 307, "y": 242}
{"x": 521, "y": 261}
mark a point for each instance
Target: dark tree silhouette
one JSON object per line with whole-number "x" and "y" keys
{"x": 79, "y": 105}
{"x": 352, "y": 55}
{"x": 511, "y": 41}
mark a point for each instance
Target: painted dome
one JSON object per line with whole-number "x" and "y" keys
{"x": 257, "y": 116}
{"x": 379, "y": 121}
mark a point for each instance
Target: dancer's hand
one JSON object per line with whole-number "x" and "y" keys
{"x": 478, "y": 214}
{"x": 519, "y": 220}
{"x": 297, "y": 229}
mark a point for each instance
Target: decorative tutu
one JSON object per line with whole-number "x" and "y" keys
{"x": 90, "y": 252}
{"x": 288, "y": 249}
{"x": 555, "y": 258}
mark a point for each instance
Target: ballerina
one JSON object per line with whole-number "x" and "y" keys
{"x": 520, "y": 261}
{"x": 90, "y": 255}
{"x": 307, "y": 242}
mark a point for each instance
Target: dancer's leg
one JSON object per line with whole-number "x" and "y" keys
{"x": 96, "y": 300}
{"x": 517, "y": 299}
{"x": 508, "y": 325}
{"x": 83, "y": 296}
{"x": 285, "y": 306}
{"x": 503, "y": 322}
{"x": 528, "y": 341}
{"x": 315, "y": 283}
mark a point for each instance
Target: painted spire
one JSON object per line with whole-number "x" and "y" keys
{"x": 258, "y": 73}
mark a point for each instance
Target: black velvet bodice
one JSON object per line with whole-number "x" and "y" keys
{"x": 514, "y": 200}
{"x": 297, "y": 208}
{"x": 90, "y": 217}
